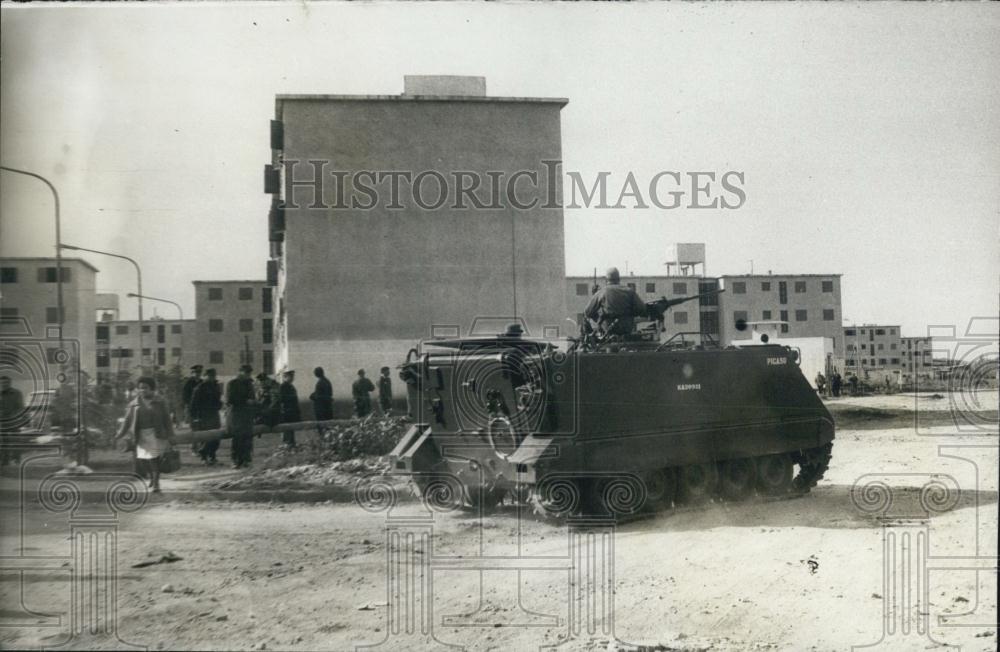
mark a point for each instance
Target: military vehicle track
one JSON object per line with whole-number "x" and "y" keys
{"x": 679, "y": 489}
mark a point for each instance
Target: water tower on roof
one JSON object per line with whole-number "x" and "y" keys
{"x": 686, "y": 256}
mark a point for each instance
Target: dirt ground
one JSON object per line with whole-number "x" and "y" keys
{"x": 799, "y": 574}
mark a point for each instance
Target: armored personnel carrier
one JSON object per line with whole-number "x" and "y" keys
{"x": 610, "y": 424}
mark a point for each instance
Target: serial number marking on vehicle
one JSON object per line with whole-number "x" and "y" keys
{"x": 683, "y": 388}
{"x": 777, "y": 361}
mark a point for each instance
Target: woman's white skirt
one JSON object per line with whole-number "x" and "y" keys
{"x": 148, "y": 447}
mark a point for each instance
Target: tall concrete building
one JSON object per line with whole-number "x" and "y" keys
{"x": 916, "y": 357}
{"x": 29, "y": 309}
{"x": 873, "y": 350}
{"x": 234, "y": 325}
{"x": 163, "y": 344}
{"x": 810, "y": 303}
{"x": 395, "y": 217}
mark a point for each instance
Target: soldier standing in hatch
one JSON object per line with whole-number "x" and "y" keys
{"x": 205, "y": 405}
{"x": 240, "y": 399}
{"x": 385, "y": 391}
{"x": 288, "y": 406}
{"x": 361, "y": 390}
{"x": 614, "y": 307}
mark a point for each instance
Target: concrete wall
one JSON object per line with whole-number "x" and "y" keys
{"x": 755, "y": 301}
{"x": 30, "y": 298}
{"x": 379, "y": 280}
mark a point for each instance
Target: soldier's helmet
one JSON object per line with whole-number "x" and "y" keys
{"x": 612, "y": 275}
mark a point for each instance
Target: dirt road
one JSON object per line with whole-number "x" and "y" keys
{"x": 797, "y": 574}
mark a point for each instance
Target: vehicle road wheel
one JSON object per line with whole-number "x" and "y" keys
{"x": 774, "y": 474}
{"x": 737, "y": 478}
{"x": 661, "y": 488}
{"x": 696, "y": 483}
{"x": 477, "y": 496}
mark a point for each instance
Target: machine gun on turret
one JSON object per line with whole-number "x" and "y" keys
{"x": 655, "y": 310}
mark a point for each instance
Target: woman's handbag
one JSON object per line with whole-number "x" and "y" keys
{"x": 170, "y": 461}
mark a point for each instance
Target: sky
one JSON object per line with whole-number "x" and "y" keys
{"x": 868, "y": 135}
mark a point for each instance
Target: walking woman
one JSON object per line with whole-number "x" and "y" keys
{"x": 148, "y": 424}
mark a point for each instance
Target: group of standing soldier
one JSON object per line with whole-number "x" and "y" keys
{"x": 265, "y": 402}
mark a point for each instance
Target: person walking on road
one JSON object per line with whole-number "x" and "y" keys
{"x": 150, "y": 428}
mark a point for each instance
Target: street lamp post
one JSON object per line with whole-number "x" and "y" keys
{"x": 138, "y": 275}
{"x": 59, "y": 274}
{"x": 180, "y": 311}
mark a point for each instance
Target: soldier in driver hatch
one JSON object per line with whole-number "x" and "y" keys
{"x": 614, "y": 307}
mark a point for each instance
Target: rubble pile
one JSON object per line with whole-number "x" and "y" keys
{"x": 343, "y": 453}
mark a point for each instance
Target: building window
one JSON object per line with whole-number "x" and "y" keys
{"x": 175, "y": 352}
{"x": 765, "y": 286}
{"x": 783, "y": 316}
{"x": 52, "y": 315}
{"x": 582, "y": 289}
{"x": 680, "y": 318}
{"x": 800, "y": 287}
{"x": 48, "y": 274}
{"x": 893, "y": 346}
{"x": 246, "y": 325}
{"x": 680, "y": 288}
{"x": 121, "y": 329}
{"x": 828, "y": 286}
{"x": 103, "y": 359}
{"x": 801, "y": 315}
{"x": 782, "y": 292}
{"x": 739, "y": 287}
{"x": 145, "y": 353}
{"x": 266, "y": 300}
{"x": 650, "y": 288}
{"x": 145, "y": 328}
{"x": 892, "y": 331}
{"x": 245, "y": 294}
{"x": 8, "y": 275}
{"x": 215, "y": 357}
{"x": 631, "y": 286}
{"x": 879, "y": 331}
{"x": 267, "y": 330}
{"x": 175, "y": 329}
{"x": 862, "y": 331}
{"x": 882, "y": 361}
{"x": 849, "y": 332}
{"x": 709, "y": 322}
{"x": 161, "y": 356}
{"x": 895, "y": 360}
{"x": 215, "y": 294}
{"x": 850, "y": 362}
{"x": 739, "y": 319}
{"x": 214, "y": 325}
{"x": 268, "y": 361}
{"x": 881, "y": 346}
{"x": 827, "y": 314}
{"x": 766, "y": 314}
